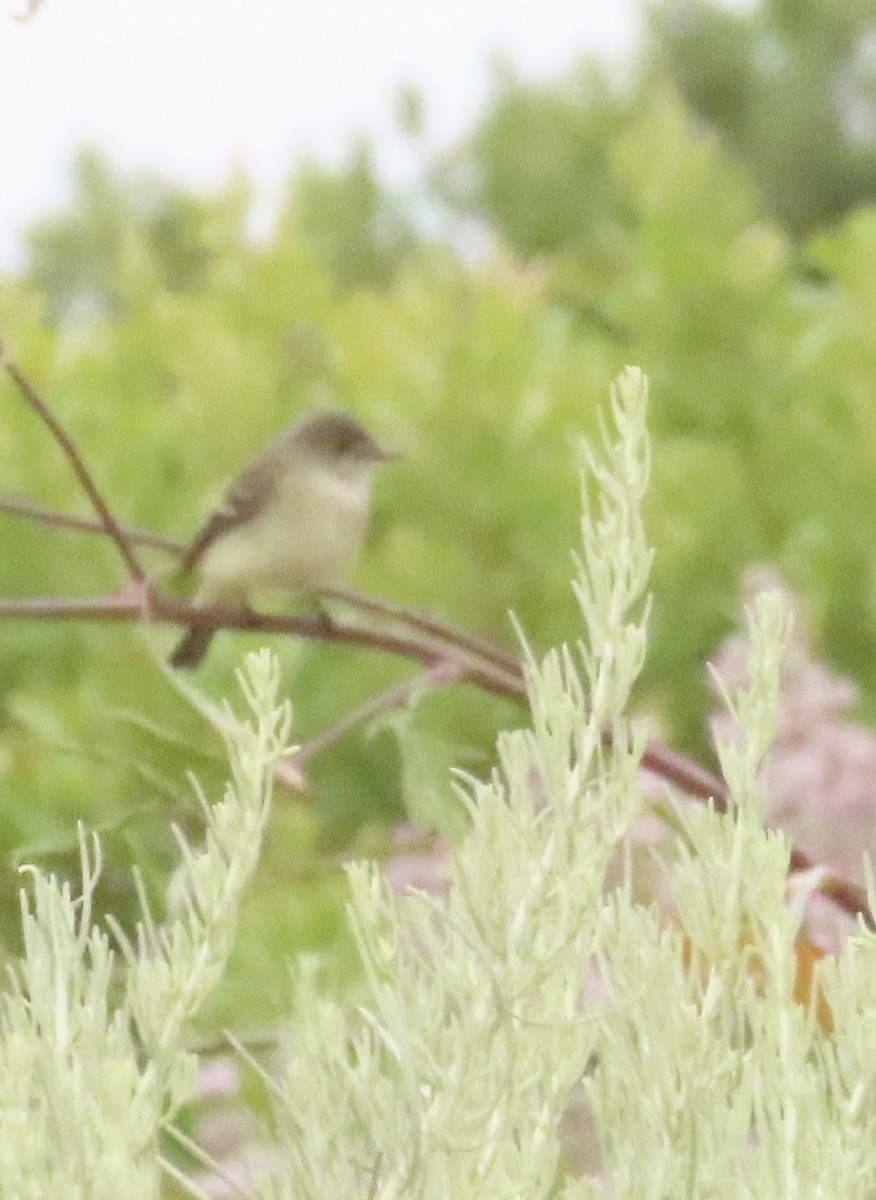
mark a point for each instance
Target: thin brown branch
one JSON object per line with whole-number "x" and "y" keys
{"x": 850, "y": 897}
{"x": 418, "y": 619}
{"x": 131, "y": 605}
{"x": 135, "y": 603}
{"x": 122, "y": 607}
{"x": 441, "y": 675}
{"x": 426, "y": 622}
{"x": 686, "y": 774}
{"x": 32, "y": 397}
{"x": 696, "y": 781}
{"x": 319, "y": 627}
{"x": 18, "y": 506}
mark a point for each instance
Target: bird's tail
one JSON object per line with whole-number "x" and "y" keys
{"x": 194, "y": 645}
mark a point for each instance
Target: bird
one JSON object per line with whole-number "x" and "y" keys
{"x": 293, "y": 521}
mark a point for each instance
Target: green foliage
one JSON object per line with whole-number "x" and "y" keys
{"x": 791, "y": 89}
{"x": 539, "y": 167}
{"x": 76, "y": 259}
{"x": 358, "y": 234}
{"x": 410, "y": 110}
{"x": 172, "y": 347}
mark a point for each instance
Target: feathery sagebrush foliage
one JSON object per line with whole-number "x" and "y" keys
{"x": 451, "y": 1078}
{"x": 706, "y": 1075}
{"x": 93, "y": 1052}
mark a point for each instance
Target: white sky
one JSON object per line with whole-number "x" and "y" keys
{"x": 194, "y": 88}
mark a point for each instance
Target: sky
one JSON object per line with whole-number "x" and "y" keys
{"x": 197, "y": 88}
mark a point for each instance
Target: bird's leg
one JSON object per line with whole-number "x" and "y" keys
{"x": 323, "y": 614}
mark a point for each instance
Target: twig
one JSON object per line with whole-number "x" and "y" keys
{"x": 701, "y": 784}
{"x": 30, "y": 394}
{"x": 686, "y": 774}
{"x": 128, "y": 605}
{"x": 18, "y": 506}
{"x": 482, "y": 647}
{"x": 440, "y": 675}
{"x": 418, "y": 618}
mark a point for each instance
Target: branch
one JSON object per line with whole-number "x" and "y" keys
{"x": 110, "y": 525}
{"x": 413, "y": 618}
{"x": 686, "y": 774}
{"x": 18, "y": 506}
{"x": 701, "y": 784}
{"x": 135, "y": 603}
{"x": 418, "y": 618}
{"x": 441, "y": 675}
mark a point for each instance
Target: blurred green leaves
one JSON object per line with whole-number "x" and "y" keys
{"x": 791, "y": 89}
{"x": 173, "y": 345}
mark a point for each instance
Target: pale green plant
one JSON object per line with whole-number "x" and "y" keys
{"x": 714, "y": 1077}
{"x": 707, "y": 1075}
{"x": 86, "y": 1085}
{"x": 450, "y": 1079}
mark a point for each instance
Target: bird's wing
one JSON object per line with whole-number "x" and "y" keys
{"x": 244, "y": 500}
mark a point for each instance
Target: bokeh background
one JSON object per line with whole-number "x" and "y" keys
{"x": 502, "y": 225}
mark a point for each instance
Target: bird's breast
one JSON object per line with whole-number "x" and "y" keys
{"x": 308, "y": 537}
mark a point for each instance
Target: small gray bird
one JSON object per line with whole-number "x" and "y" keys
{"x": 293, "y": 521}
